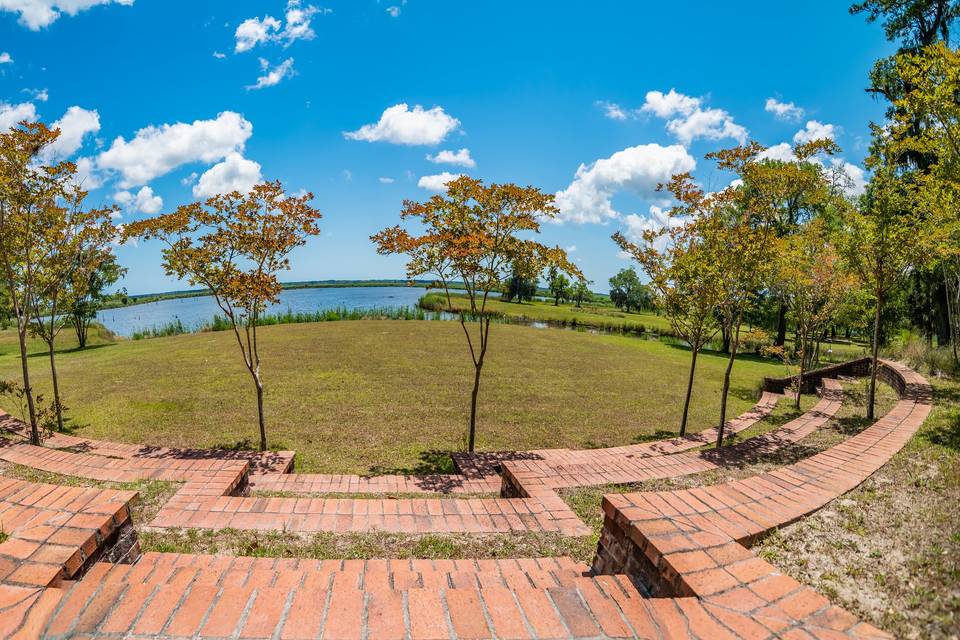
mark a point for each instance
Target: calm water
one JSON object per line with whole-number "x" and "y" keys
{"x": 195, "y": 312}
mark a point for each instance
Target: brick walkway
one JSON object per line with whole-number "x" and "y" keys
{"x": 484, "y": 464}
{"x": 266, "y": 462}
{"x": 684, "y": 547}
{"x": 201, "y": 596}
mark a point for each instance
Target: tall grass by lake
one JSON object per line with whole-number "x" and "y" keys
{"x": 222, "y": 323}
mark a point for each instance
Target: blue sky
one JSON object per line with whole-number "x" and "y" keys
{"x": 161, "y": 103}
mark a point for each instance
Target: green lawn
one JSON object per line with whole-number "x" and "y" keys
{"x": 382, "y": 395}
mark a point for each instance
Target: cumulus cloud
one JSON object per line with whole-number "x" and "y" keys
{"x": 273, "y": 76}
{"x": 235, "y": 173}
{"x": 460, "y": 157}
{"x": 783, "y": 110}
{"x": 401, "y": 125}
{"x": 155, "y": 151}
{"x": 75, "y": 124}
{"x": 815, "y": 130}
{"x": 5, "y": 58}
{"x": 11, "y": 114}
{"x": 255, "y": 31}
{"x": 87, "y": 175}
{"x": 144, "y": 201}
{"x": 612, "y": 110}
{"x": 853, "y": 178}
{"x": 393, "y": 12}
{"x": 636, "y": 169}
{"x": 36, "y": 14}
{"x": 782, "y": 152}
{"x": 437, "y": 182}
{"x": 688, "y": 120}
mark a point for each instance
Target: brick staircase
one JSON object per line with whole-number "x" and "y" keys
{"x": 175, "y": 596}
{"x": 669, "y": 564}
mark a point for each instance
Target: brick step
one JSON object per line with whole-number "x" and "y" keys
{"x": 167, "y": 568}
{"x": 188, "y": 603}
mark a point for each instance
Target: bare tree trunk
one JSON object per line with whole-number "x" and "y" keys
{"x": 262, "y": 421}
{"x": 735, "y": 344}
{"x": 803, "y": 359}
{"x": 686, "y": 402}
{"x": 781, "y": 326}
{"x": 27, "y": 389}
{"x": 478, "y": 366}
{"x": 873, "y": 365}
{"x": 56, "y": 386}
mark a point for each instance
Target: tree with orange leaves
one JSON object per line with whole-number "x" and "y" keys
{"x": 32, "y": 197}
{"x": 471, "y": 236}
{"x": 73, "y": 242}
{"x": 684, "y": 273}
{"x": 234, "y": 245}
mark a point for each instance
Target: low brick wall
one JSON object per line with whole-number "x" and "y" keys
{"x": 813, "y": 378}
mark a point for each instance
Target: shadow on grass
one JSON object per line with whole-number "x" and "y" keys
{"x": 46, "y": 354}
{"x": 659, "y": 434}
{"x": 432, "y": 461}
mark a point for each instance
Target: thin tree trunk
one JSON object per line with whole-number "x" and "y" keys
{"x": 478, "y": 367}
{"x": 686, "y": 402}
{"x": 56, "y": 386}
{"x": 263, "y": 424}
{"x": 27, "y": 389}
{"x": 735, "y": 344}
{"x": 803, "y": 358}
{"x": 873, "y": 365}
{"x": 781, "y": 326}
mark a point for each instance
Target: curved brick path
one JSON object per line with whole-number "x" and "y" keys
{"x": 684, "y": 547}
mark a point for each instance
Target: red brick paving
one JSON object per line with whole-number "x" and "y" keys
{"x": 683, "y": 545}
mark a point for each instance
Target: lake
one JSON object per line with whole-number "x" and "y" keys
{"x": 195, "y": 312}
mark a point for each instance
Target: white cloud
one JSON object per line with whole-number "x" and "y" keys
{"x": 401, "y": 125}
{"x": 612, "y": 110}
{"x": 5, "y": 58}
{"x": 40, "y": 95}
{"x": 666, "y": 105}
{"x": 782, "y": 152}
{"x": 87, "y": 175}
{"x": 155, "y": 151}
{"x": 218, "y": 55}
{"x": 273, "y": 76}
{"x": 854, "y": 177}
{"x": 393, "y": 12}
{"x": 572, "y": 248}
{"x": 11, "y": 114}
{"x": 385, "y": 180}
{"x": 688, "y": 120}
{"x": 189, "y": 179}
{"x": 437, "y": 182}
{"x": 235, "y": 173}
{"x": 144, "y": 201}
{"x": 255, "y": 31}
{"x": 461, "y": 157}
{"x": 636, "y": 169}
{"x": 783, "y": 110}
{"x": 36, "y": 14}
{"x": 815, "y": 130}
{"x": 76, "y": 123}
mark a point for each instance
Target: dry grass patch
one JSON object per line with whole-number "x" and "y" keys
{"x": 332, "y": 546}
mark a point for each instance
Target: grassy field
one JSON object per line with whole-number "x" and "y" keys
{"x": 379, "y": 396}
{"x": 589, "y": 315}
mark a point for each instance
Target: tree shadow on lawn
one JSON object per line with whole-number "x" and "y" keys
{"x": 946, "y": 431}
{"x": 46, "y": 354}
{"x": 432, "y": 461}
